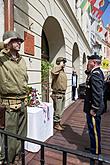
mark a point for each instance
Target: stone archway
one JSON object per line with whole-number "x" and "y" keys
{"x": 44, "y": 65}
{"x": 76, "y": 60}
{"x": 84, "y": 67}
{"x": 52, "y": 46}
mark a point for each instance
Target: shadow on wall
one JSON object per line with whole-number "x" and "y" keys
{"x": 55, "y": 38}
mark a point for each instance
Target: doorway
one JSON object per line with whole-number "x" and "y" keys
{"x": 44, "y": 65}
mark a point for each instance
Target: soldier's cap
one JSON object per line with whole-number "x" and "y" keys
{"x": 59, "y": 59}
{"x": 10, "y": 35}
{"x": 94, "y": 57}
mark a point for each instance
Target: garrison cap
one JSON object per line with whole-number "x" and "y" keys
{"x": 94, "y": 57}
{"x": 10, "y": 35}
{"x": 59, "y": 59}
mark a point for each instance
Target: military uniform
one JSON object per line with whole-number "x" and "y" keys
{"x": 74, "y": 85}
{"x": 13, "y": 93}
{"x": 106, "y": 91}
{"x": 94, "y": 100}
{"x": 59, "y": 86}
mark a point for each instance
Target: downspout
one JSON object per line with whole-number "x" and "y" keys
{"x": 9, "y": 15}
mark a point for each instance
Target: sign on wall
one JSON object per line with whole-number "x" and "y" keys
{"x": 105, "y": 63}
{"x": 28, "y": 43}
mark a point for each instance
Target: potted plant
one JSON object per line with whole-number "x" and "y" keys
{"x": 45, "y": 67}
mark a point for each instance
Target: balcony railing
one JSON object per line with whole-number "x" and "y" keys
{"x": 64, "y": 151}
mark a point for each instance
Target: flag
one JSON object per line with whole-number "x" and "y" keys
{"x": 99, "y": 8}
{"x": 92, "y": 2}
{"x": 86, "y": 5}
{"x": 104, "y": 6}
{"x": 106, "y": 16}
{"x": 101, "y": 3}
{"x": 99, "y": 28}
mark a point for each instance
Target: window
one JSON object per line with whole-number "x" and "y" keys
{"x": 76, "y": 1}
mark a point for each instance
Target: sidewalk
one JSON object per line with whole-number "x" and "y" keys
{"x": 75, "y": 136}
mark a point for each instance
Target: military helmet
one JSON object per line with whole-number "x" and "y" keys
{"x": 9, "y": 35}
{"x": 59, "y": 59}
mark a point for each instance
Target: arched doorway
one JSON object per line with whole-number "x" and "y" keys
{"x": 75, "y": 70}
{"x": 76, "y": 59}
{"x": 84, "y": 67}
{"x": 44, "y": 65}
{"x": 52, "y": 46}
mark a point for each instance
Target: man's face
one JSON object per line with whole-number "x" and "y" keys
{"x": 90, "y": 65}
{"x": 15, "y": 44}
{"x": 62, "y": 63}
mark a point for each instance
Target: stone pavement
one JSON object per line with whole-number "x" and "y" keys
{"x": 75, "y": 136}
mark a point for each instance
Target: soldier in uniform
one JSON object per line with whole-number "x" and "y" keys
{"x": 94, "y": 103}
{"x": 74, "y": 85}
{"x": 59, "y": 86}
{"x": 13, "y": 91}
{"x": 106, "y": 91}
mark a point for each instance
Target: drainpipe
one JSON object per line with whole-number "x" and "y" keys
{"x": 9, "y": 15}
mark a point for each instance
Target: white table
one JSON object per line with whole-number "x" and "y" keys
{"x": 40, "y": 125}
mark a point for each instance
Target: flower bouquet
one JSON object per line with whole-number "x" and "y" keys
{"x": 33, "y": 99}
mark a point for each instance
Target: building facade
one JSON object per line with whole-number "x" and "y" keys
{"x": 50, "y": 28}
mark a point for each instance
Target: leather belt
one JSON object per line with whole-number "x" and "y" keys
{"x": 7, "y": 101}
{"x": 15, "y": 97}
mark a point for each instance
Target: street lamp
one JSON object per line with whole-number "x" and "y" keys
{"x": 96, "y": 48}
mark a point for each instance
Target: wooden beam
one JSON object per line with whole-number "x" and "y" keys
{"x": 9, "y": 15}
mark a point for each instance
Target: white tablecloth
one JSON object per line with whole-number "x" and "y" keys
{"x": 40, "y": 125}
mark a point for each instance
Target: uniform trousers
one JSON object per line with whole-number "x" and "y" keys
{"x": 58, "y": 104}
{"x": 15, "y": 122}
{"x": 73, "y": 92}
{"x": 94, "y": 133}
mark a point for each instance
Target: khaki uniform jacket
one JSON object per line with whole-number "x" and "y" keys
{"x": 59, "y": 79}
{"x": 13, "y": 75}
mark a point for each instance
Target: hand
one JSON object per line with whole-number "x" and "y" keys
{"x": 92, "y": 112}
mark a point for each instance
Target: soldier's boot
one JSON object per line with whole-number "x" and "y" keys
{"x": 62, "y": 125}
{"x": 92, "y": 162}
{"x": 17, "y": 160}
{"x": 100, "y": 163}
{"x": 1, "y": 162}
{"x": 58, "y": 127}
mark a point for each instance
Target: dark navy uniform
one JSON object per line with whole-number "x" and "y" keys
{"x": 94, "y": 101}
{"x": 106, "y": 91}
